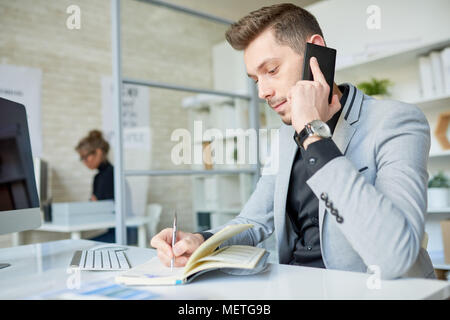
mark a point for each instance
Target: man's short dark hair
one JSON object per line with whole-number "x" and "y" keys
{"x": 291, "y": 24}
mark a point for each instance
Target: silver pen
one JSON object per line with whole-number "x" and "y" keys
{"x": 174, "y": 239}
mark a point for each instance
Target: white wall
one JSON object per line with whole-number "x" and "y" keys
{"x": 344, "y": 23}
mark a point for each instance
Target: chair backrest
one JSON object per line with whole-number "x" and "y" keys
{"x": 154, "y": 212}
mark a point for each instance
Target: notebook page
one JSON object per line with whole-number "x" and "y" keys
{"x": 212, "y": 243}
{"x": 244, "y": 257}
{"x": 153, "y": 269}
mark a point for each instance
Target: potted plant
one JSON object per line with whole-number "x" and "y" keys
{"x": 438, "y": 191}
{"x": 375, "y": 88}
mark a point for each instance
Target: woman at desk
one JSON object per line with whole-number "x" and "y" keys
{"x": 93, "y": 150}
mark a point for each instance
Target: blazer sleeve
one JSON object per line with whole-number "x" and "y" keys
{"x": 384, "y": 222}
{"x": 258, "y": 211}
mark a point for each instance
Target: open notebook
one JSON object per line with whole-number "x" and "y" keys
{"x": 237, "y": 259}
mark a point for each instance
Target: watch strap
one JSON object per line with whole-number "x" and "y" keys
{"x": 302, "y": 136}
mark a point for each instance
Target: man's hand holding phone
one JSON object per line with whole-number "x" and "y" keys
{"x": 309, "y": 101}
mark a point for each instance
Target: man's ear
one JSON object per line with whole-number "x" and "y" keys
{"x": 317, "y": 39}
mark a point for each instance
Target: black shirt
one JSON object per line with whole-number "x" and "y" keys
{"x": 302, "y": 205}
{"x": 103, "y": 187}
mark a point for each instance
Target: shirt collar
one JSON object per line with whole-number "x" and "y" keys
{"x": 103, "y": 166}
{"x": 333, "y": 121}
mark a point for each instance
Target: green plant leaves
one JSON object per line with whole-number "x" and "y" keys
{"x": 375, "y": 86}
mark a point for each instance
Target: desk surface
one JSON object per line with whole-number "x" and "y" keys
{"x": 40, "y": 268}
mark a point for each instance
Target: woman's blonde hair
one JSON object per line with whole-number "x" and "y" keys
{"x": 93, "y": 141}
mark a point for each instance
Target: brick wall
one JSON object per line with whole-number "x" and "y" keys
{"x": 158, "y": 44}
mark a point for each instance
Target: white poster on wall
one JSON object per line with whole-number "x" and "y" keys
{"x": 23, "y": 85}
{"x": 135, "y": 114}
{"x": 136, "y": 135}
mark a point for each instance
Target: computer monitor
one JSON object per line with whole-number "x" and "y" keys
{"x": 19, "y": 202}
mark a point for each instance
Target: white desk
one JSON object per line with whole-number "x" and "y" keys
{"x": 76, "y": 229}
{"x": 43, "y": 267}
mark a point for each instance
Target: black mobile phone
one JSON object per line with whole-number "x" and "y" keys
{"x": 326, "y": 57}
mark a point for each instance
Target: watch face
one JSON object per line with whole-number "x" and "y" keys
{"x": 321, "y": 128}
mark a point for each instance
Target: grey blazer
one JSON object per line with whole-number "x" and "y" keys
{"x": 383, "y": 207}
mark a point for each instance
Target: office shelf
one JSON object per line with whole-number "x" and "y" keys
{"x": 438, "y": 210}
{"x": 441, "y": 154}
{"x": 120, "y": 173}
{"x": 222, "y": 197}
{"x": 226, "y": 172}
{"x": 392, "y": 59}
{"x": 204, "y": 92}
{"x": 428, "y": 103}
{"x": 438, "y": 260}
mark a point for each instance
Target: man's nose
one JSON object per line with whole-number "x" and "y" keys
{"x": 265, "y": 92}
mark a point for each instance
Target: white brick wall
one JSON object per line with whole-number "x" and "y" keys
{"x": 158, "y": 44}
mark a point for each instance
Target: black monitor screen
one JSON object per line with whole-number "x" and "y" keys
{"x": 17, "y": 182}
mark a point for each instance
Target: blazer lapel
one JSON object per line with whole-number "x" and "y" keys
{"x": 345, "y": 129}
{"x": 285, "y": 166}
{"x": 343, "y": 134}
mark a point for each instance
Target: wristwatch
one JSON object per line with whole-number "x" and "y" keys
{"x": 313, "y": 128}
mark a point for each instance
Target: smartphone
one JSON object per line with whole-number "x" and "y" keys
{"x": 326, "y": 57}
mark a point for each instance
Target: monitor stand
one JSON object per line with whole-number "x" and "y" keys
{"x": 4, "y": 265}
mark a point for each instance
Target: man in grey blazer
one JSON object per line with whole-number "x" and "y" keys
{"x": 350, "y": 191}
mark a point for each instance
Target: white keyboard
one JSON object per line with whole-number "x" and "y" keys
{"x": 100, "y": 260}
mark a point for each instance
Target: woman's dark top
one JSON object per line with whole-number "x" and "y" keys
{"x": 104, "y": 182}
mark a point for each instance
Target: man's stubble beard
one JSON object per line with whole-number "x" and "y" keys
{"x": 286, "y": 120}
